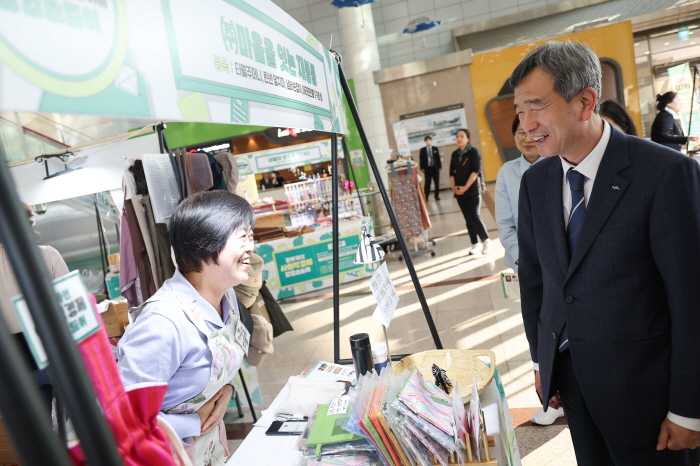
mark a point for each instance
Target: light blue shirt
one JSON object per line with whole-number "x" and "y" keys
{"x": 163, "y": 345}
{"x": 507, "y": 193}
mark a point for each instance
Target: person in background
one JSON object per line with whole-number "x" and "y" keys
{"x": 268, "y": 182}
{"x": 507, "y": 193}
{"x": 9, "y": 289}
{"x": 465, "y": 166}
{"x": 431, "y": 166}
{"x": 186, "y": 334}
{"x": 607, "y": 234}
{"x": 618, "y": 116}
{"x": 666, "y": 129}
{"x": 279, "y": 181}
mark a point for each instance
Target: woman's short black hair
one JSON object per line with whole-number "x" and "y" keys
{"x": 516, "y": 123}
{"x": 618, "y": 114}
{"x": 466, "y": 131}
{"x": 664, "y": 100}
{"x": 203, "y": 223}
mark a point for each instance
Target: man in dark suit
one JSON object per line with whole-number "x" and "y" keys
{"x": 609, "y": 229}
{"x": 430, "y": 165}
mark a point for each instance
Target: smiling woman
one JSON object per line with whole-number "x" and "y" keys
{"x": 189, "y": 334}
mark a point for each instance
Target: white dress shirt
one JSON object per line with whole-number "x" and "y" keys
{"x": 589, "y": 168}
{"x": 507, "y": 193}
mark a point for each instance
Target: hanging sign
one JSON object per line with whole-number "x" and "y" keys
{"x": 78, "y": 310}
{"x": 286, "y": 157}
{"x": 384, "y": 292}
{"x": 224, "y": 61}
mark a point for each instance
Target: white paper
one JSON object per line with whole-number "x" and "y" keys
{"x": 338, "y": 406}
{"x": 511, "y": 285}
{"x": 162, "y": 185}
{"x": 384, "y": 292}
{"x": 460, "y": 426}
{"x": 328, "y": 371}
{"x": 475, "y": 421}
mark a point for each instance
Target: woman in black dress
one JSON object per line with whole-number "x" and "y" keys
{"x": 465, "y": 166}
{"x": 666, "y": 130}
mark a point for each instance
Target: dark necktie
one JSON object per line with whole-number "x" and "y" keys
{"x": 578, "y": 209}
{"x": 429, "y": 150}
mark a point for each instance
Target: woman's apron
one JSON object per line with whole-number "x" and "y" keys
{"x": 227, "y": 356}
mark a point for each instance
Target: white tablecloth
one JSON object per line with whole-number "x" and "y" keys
{"x": 262, "y": 450}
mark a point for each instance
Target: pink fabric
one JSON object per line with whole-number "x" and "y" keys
{"x": 425, "y": 218}
{"x": 131, "y": 415}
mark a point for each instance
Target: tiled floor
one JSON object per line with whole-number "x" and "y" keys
{"x": 467, "y": 304}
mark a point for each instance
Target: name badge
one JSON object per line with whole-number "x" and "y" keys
{"x": 242, "y": 336}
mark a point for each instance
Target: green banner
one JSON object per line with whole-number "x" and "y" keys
{"x": 221, "y": 61}
{"x": 309, "y": 263}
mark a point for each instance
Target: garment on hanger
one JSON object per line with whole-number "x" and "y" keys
{"x": 425, "y": 218}
{"x": 405, "y": 201}
{"x": 198, "y": 171}
{"x": 142, "y": 223}
{"x": 143, "y": 263}
{"x": 230, "y": 167}
{"x": 129, "y": 282}
{"x": 165, "y": 268}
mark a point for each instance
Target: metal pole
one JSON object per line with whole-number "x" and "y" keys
{"x": 354, "y": 178}
{"x": 336, "y": 253}
{"x": 23, "y": 410}
{"x": 247, "y": 396}
{"x": 390, "y": 210}
{"x": 692, "y": 99}
{"x": 67, "y": 369}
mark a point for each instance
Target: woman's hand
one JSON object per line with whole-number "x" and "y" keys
{"x": 460, "y": 189}
{"x": 217, "y": 409}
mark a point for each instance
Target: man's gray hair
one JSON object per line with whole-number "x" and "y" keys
{"x": 572, "y": 65}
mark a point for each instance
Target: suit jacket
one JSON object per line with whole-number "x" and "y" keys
{"x": 424, "y": 158}
{"x": 667, "y": 132}
{"x": 627, "y": 292}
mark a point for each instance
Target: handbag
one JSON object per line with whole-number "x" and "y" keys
{"x": 369, "y": 250}
{"x": 279, "y": 321}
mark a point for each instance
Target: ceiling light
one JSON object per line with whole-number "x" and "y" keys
{"x": 667, "y": 43}
{"x": 646, "y": 53}
{"x": 636, "y": 44}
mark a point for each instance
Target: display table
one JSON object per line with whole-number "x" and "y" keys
{"x": 302, "y": 264}
{"x": 263, "y": 450}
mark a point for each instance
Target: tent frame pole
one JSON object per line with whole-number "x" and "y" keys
{"x": 392, "y": 216}
{"x": 67, "y": 369}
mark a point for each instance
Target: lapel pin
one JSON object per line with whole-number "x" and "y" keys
{"x": 616, "y": 188}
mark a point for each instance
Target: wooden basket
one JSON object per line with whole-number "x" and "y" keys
{"x": 461, "y": 367}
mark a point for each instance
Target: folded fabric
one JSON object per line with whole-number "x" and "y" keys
{"x": 305, "y": 395}
{"x": 246, "y": 298}
{"x": 260, "y": 341}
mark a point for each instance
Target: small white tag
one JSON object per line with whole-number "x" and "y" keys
{"x": 242, "y": 336}
{"x": 261, "y": 303}
{"x": 338, "y": 406}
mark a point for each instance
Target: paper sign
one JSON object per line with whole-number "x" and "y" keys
{"x": 475, "y": 421}
{"x": 80, "y": 315}
{"x": 460, "y": 426}
{"x": 511, "y": 285}
{"x": 325, "y": 370}
{"x": 338, "y": 406}
{"x": 385, "y": 293}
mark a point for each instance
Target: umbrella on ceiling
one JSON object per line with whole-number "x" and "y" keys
{"x": 352, "y": 4}
{"x": 420, "y": 25}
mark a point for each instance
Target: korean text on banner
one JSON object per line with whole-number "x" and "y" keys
{"x": 222, "y": 61}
